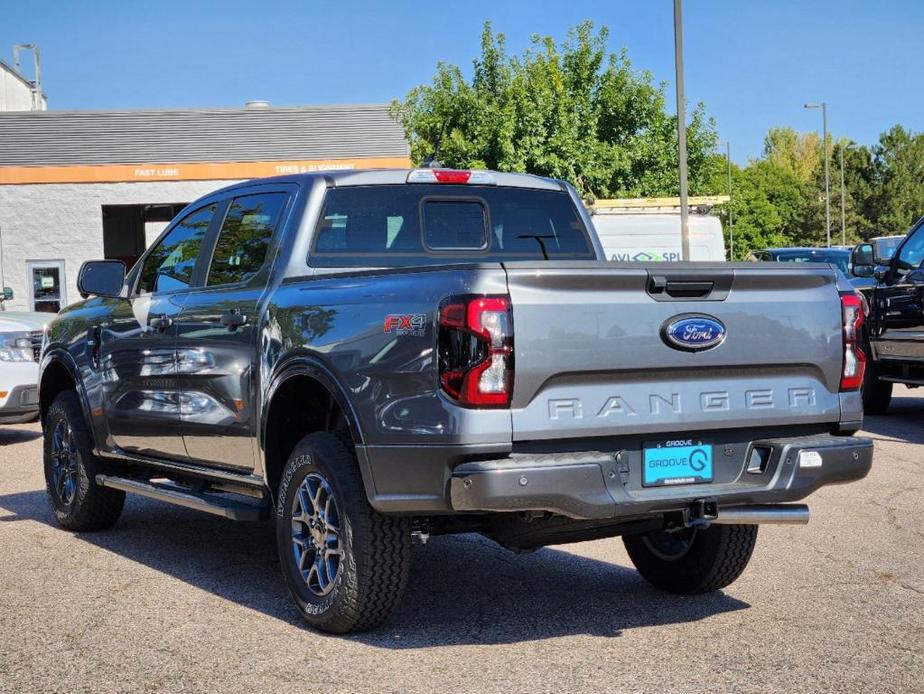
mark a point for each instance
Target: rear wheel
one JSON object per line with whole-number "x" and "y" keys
{"x": 70, "y": 470}
{"x": 345, "y": 565}
{"x": 877, "y": 394}
{"x": 694, "y": 560}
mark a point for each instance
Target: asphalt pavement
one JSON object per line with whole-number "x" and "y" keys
{"x": 172, "y": 600}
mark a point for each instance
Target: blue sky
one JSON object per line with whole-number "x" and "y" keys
{"x": 753, "y": 63}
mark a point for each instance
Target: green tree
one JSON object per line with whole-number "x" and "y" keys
{"x": 765, "y": 204}
{"x": 571, "y": 111}
{"x": 896, "y": 197}
{"x": 800, "y": 154}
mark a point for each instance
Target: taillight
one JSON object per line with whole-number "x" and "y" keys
{"x": 854, "y": 358}
{"x": 476, "y": 350}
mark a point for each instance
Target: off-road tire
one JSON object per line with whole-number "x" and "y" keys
{"x": 376, "y": 560}
{"x": 714, "y": 558}
{"x": 90, "y": 507}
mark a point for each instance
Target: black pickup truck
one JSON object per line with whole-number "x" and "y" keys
{"x": 366, "y": 355}
{"x": 893, "y": 339}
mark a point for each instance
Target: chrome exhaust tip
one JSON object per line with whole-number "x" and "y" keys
{"x": 759, "y": 514}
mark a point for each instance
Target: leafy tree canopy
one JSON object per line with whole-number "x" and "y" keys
{"x": 570, "y": 111}
{"x": 573, "y": 110}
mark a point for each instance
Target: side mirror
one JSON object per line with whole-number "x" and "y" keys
{"x": 7, "y": 294}
{"x": 101, "y": 278}
{"x": 861, "y": 260}
{"x": 880, "y": 272}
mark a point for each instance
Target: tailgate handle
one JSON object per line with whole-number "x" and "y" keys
{"x": 680, "y": 289}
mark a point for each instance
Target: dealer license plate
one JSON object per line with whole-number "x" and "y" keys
{"x": 686, "y": 461}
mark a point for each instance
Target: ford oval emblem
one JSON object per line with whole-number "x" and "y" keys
{"x": 693, "y": 332}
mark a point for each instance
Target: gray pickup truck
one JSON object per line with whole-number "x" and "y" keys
{"x": 370, "y": 356}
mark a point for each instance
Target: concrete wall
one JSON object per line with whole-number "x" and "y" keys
{"x": 65, "y": 222}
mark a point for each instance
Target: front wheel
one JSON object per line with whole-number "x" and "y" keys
{"x": 345, "y": 565}
{"x": 694, "y": 560}
{"x": 70, "y": 470}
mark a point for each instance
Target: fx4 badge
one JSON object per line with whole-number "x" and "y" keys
{"x": 406, "y": 323}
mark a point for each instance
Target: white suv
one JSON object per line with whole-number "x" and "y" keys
{"x": 21, "y": 337}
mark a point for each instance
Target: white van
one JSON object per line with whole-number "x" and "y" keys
{"x": 648, "y": 229}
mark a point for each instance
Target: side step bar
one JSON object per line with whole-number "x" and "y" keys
{"x": 173, "y": 494}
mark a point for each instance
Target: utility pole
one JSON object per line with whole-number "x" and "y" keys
{"x": 681, "y": 131}
{"x": 731, "y": 222}
{"x": 824, "y": 136}
{"x": 843, "y": 201}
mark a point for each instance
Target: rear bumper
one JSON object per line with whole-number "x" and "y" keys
{"x": 605, "y": 485}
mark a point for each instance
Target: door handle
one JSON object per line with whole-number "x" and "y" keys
{"x": 161, "y": 323}
{"x": 233, "y": 319}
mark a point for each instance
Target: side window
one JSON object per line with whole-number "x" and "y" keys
{"x": 170, "y": 265}
{"x": 454, "y": 224}
{"x": 912, "y": 252}
{"x": 245, "y": 237}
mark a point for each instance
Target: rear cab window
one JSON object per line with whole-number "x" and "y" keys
{"x": 395, "y": 225}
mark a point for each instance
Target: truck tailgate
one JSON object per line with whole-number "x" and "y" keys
{"x": 590, "y": 358}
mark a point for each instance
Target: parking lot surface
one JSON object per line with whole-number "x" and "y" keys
{"x": 175, "y": 600}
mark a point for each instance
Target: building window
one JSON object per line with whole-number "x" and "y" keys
{"x": 46, "y": 285}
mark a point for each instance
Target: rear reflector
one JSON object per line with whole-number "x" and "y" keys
{"x": 451, "y": 176}
{"x": 854, "y": 359}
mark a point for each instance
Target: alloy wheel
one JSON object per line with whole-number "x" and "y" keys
{"x": 64, "y": 461}
{"x": 316, "y": 534}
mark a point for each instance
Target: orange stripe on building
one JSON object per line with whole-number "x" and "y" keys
{"x": 120, "y": 173}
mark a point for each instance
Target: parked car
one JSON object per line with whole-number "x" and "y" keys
{"x": 839, "y": 257}
{"x": 20, "y": 345}
{"x": 893, "y": 340}
{"x": 368, "y": 356}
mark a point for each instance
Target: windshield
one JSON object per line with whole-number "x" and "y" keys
{"x": 839, "y": 258}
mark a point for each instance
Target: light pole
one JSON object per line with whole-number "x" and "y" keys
{"x": 681, "y": 130}
{"x": 824, "y": 136}
{"x": 843, "y": 198}
{"x": 731, "y": 223}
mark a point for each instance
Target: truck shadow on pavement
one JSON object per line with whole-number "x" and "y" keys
{"x": 8, "y": 435}
{"x": 901, "y": 423}
{"x": 463, "y": 589}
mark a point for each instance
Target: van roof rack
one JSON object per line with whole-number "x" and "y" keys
{"x": 701, "y": 204}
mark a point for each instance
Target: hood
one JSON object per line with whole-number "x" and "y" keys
{"x": 12, "y": 321}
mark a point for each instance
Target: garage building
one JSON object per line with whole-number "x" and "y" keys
{"x": 81, "y": 185}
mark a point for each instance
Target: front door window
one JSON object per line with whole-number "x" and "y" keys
{"x": 47, "y": 279}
